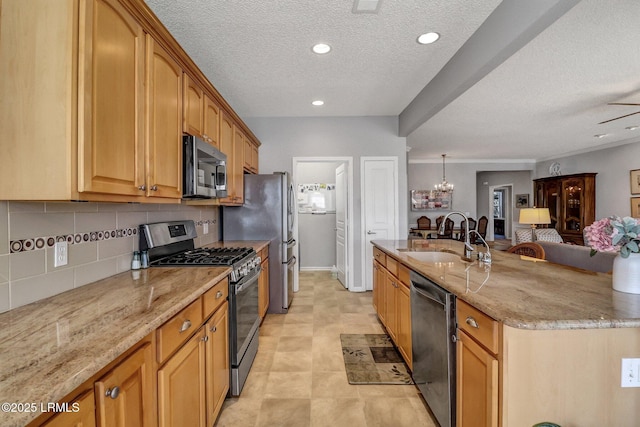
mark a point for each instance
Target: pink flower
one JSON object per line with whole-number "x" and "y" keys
{"x": 600, "y": 235}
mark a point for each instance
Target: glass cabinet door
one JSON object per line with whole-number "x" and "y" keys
{"x": 572, "y": 191}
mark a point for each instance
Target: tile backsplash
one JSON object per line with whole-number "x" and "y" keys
{"x": 101, "y": 237}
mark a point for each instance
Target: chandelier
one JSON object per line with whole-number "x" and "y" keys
{"x": 444, "y": 186}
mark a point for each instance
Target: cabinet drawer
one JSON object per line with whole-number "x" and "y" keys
{"x": 214, "y": 297}
{"x": 392, "y": 266}
{"x": 379, "y": 256}
{"x": 176, "y": 331}
{"x": 478, "y": 325}
{"x": 264, "y": 253}
{"x": 403, "y": 275}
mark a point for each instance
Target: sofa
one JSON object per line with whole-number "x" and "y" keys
{"x": 542, "y": 234}
{"x": 578, "y": 256}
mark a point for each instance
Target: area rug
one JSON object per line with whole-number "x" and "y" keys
{"x": 372, "y": 359}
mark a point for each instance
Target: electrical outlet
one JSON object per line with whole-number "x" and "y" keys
{"x": 205, "y": 228}
{"x": 60, "y": 254}
{"x": 630, "y": 373}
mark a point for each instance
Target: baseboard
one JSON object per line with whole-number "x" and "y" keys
{"x": 315, "y": 268}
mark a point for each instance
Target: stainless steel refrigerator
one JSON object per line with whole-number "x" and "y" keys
{"x": 267, "y": 214}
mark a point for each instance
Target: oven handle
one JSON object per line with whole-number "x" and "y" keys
{"x": 248, "y": 281}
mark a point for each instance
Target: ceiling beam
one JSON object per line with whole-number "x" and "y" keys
{"x": 512, "y": 25}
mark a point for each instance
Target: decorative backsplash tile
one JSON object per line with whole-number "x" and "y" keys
{"x": 35, "y": 243}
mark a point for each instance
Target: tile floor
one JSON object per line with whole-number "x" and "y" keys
{"x": 298, "y": 377}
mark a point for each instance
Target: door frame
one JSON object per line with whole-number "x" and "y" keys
{"x": 508, "y": 212}
{"x": 363, "y": 232}
{"x": 349, "y": 213}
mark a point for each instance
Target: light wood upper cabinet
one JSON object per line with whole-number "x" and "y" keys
{"x": 211, "y": 122}
{"x": 164, "y": 127}
{"x": 124, "y": 396}
{"x": 110, "y": 94}
{"x": 250, "y": 163}
{"x": 193, "y": 114}
{"x": 232, "y": 144}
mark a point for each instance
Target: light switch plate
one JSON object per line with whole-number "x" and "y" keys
{"x": 60, "y": 254}
{"x": 630, "y": 373}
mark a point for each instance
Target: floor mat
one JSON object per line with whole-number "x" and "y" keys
{"x": 372, "y": 359}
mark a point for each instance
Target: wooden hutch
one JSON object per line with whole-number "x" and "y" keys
{"x": 571, "y": 200}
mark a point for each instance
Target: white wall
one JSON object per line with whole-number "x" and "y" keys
{"x": 288, "y": 137}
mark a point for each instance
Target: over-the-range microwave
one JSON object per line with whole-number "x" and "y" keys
{"x": 204, "y": 169}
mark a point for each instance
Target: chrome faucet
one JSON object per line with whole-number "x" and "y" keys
{"x": 486, "y": 257}
{"x": 468, "y": 249}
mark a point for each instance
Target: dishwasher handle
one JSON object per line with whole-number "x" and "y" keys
{"x": 426, "y": 288}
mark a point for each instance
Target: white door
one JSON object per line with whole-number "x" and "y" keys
{"x": 379, "y": 206}
{"x": 341, "y": 223}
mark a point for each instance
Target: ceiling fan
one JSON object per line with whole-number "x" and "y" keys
{"x": 621, "y": 117}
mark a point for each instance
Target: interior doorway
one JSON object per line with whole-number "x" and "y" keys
{"x": 501, "y": 212}
{"x": 323, "y": 226}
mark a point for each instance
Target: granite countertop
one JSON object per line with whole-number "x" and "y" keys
{"x": 50, "y": 347}
{"x": 524, "y": 292}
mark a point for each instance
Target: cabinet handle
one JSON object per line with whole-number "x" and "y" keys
{"x": 186, "y": 325}
{"x": 218, "y": 294}
{"x": 472, "y": 322}
{"x": 154, "y": 188}
{"x": 142, "y": 187}
{"x": 113, "y": 392}
{"x": 205, "y": 338}
{"x": 213, "y": 328}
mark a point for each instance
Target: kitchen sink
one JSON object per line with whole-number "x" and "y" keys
{"x": 434, "y": 257}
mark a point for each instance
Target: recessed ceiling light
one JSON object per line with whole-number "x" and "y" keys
{"x": 600, "y": 135}
{"x": 428, "y": 38}
{"x": 321, "y": 48}
{"x": 632, "y": 127}
{"x": 318, "y": 102}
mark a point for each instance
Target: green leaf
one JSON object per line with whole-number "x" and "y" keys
{"x": 633, "y": 246}
{"x": 592, "y": 252}
{"x": 624, "y": 252}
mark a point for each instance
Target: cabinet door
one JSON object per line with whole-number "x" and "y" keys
{"x": 85, "y": 417}
{"x": 255, "y": 158}
{"x": 217, "y": 364}
{"x": 193, "y": 107}
{"x": 111, "y": 97}
{"x": 238, "y": 159}
{"x": 124, "y": 396}
{"x": 263, "y": 288}
{"x": 164, "y": 133}
{"x": 379, "y": 286}
{"x": 390, "y": 295}
{"x": 181, "y": 386}
{"x": 404, "y": 323}
{"x": 477, "y": 388}
{"x": 572, "y": 206}
{"x": 211, "y": 122}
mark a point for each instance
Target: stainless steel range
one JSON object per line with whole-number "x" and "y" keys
{"x": 171, "y": 244}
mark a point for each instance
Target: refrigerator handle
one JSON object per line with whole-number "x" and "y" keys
{"x": 291, "y": 243}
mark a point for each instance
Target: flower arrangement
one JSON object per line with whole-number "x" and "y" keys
{"x": 614, "y": 234}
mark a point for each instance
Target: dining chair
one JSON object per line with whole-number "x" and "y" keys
{"x": 530, "y": 249}
{"x": 448, "y": 228}
{"x": 424, "y": 223}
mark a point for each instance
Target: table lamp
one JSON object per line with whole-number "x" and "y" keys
{"x": 534, "y": 216}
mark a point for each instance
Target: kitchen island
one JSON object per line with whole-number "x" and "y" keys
{"x": 50, "y": 348}
{"x": 561, "y": 334}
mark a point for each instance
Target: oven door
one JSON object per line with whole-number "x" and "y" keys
{"x": 243, "y": 313}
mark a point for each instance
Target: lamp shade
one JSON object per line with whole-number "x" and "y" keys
{"x": 535, "y": 216}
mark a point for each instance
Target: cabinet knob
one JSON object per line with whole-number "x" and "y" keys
{"x": 113, "y": 392}
{"x": 472, "y": 322}
{"x": 142, "y": 187}
{"x": 154, "y": 188}
{"x": 213, "y": 328}
{"x": 205, "y": 338}
{"x": 218, "y": 294}
{"x": 186, "y": 325}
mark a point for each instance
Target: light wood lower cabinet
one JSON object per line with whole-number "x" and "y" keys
{"x": 84, "y": 417}
{"x": 217, "y": 362}
{"x": 124, "y": 396}
{"x": 392, "y": 301}
{"x": 181, "y": 385}
{"x": 477, "y": 384}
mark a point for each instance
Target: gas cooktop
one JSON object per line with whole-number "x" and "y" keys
{"x": 203, "y": 256}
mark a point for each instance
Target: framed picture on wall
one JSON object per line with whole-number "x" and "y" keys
{"x": 635, "y": 181}
{"x": 635, "y": 207}
{"x": 522, "y": 200}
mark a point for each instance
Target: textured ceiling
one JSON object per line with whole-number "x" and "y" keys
{"x": 542, "y": 102}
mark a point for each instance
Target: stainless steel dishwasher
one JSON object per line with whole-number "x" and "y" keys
{"x": 433, "y": 323}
